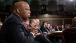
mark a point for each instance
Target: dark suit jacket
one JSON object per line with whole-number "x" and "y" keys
{"x": 44, "y": 29}
{"x": 14, "y": 31}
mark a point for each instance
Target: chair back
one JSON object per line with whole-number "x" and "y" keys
{"x": 70, "y": 35}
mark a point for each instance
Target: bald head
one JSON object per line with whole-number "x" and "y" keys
{"x": 37, "y": 22}
{"x": 19, "y": 4}
{"x": 22, "y": 9}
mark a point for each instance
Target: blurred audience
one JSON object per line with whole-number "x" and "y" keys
{"x": 34, "y": 27}
{"x": 67, "y": 26}
{"x": 56, "y": 12}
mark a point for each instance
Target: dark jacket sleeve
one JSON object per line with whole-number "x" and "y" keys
{"x": 43, "y": 29}
{"x": 18, "y": 34}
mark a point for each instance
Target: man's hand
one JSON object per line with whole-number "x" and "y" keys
{"x": 36, "y": 34}
{"x": 34, "y": 30}
{"x": 45, "y": 32}
{"x": 49, "y": 32}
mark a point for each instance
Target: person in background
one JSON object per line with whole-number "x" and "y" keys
{"x": 74, "y": 22}
{"x": 50, "y": 35}
{"x": 67, "y": 26}
{"x": 44, "y": 28}
{"x": 38, "y": 25}
{"x": 56, "y": 28}
{"x": 62, "y": 27}
{"x": 34, "y": 25}
{"x": 49, "y": 27}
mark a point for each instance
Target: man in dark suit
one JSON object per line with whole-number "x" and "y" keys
{"x": 13, "y": 29}
{"x": 47, "y": 32}
{"x": 44, "y": 28}
{"x": 34, "y": 23}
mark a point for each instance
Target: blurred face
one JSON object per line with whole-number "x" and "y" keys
{"x": 62, "y": 26}
{"x": 37, "y": 22}
{"x": 27, "y": 22}
{"x": 34, "y": 23}
{"x": 45, "y": 24}
{"x": 48, "y": 25}
{"x": 57, "y": 26}
{"x": 25, "y": 11}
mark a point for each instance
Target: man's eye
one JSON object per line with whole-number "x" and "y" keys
{"x": 27, "y": 9}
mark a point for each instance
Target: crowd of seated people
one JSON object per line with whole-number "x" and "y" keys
{"x": 60, "y": 27}
{"x": 44, "y": 31}
{"x": 45, "y": 28}
{"x": 65, "y": 13}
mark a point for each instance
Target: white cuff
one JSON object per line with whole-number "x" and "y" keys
{"x": 32, "y": 33}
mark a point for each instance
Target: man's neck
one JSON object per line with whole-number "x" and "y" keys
{"x": 17, "y": 14}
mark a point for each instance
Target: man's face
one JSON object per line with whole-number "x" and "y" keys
{"x": 38, "y": 22}
{"x": 34, "y": 23}
{"x": 25, "y": 11}
{"x": 45, "y": 23}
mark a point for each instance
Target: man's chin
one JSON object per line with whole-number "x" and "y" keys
{"x": 29, "y": 16}
{"x": 26, "y": 18}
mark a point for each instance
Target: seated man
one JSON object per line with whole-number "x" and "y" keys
{"x": 38, "y": 36}
{"x": 47, "y": 32}
{"x": 13, "y": 29}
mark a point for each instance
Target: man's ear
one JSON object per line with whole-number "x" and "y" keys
{"x": 18, "y": 11}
